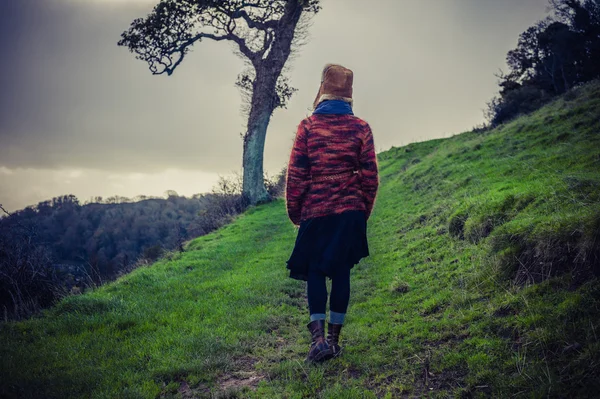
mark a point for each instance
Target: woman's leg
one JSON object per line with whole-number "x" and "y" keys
{"x": 317, "y": 300}
{"x": 340, "y": 296}
{"x": 316, "y": 291}
{"x": 338, "y": 305}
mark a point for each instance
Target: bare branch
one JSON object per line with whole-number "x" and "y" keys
{"x": 265, "y": 26}
{"x": 183, "y": 49}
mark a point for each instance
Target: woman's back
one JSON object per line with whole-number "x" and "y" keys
{"x": 332, "y": 167}
{"x": 334, "y": 143}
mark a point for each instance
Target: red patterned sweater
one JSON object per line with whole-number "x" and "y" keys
{"x": 325, "y": 145}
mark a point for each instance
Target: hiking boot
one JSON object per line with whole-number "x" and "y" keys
{"x": 333, "y": 338}
{"x": 319, "y": 349}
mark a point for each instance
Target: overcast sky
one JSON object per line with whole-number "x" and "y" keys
{"x": 80, "y": 115}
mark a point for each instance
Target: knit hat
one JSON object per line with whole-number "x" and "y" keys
{"x": 336, "y": 84}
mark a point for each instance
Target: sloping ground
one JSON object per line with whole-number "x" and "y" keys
{"x": 482, "y": 282}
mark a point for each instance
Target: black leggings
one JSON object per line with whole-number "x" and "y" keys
{"x": 317, "y": 292}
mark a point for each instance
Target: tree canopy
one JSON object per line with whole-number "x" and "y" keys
{"x": 551, "y": 57}
{"x": 264, "y": 33}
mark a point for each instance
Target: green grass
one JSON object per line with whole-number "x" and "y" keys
{"x": 482, "y": 282}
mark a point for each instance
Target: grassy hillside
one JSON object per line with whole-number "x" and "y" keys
{"x": 482, "y": 282}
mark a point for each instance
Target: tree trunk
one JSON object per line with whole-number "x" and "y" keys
{"x": 263, "y": 104}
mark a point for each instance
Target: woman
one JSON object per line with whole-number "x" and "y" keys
{"x": 331, "y": 186}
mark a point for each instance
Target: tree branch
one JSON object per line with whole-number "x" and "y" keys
{"x": 261, "y": 25}
{"x": 169, "y": 68}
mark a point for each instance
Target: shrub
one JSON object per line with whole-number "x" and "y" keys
{"x": 153, "y": 252}
{"x": 226, "y": 201}
{"x": 28, "y": 281}
{"x": 519, "y": 101}
{"x": 222, "y": 205}
{"x": 276, "y": 185}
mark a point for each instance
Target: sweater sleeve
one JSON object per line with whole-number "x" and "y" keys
{"x": 298, "y": 175}
{"x": 368, "y": 170}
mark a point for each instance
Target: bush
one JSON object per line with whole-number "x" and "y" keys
{"x": 222, "y": 205}
{"x": 519, "y": 101}
{"x": 276, "y": 185}
{"x": 153, "y": 252}
{"x": 226, "y": 201}
{"x": 28, "y": 281}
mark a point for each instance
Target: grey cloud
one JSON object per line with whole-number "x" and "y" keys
{"x": 73, "y": 99}
{"x": 81, "y": 101}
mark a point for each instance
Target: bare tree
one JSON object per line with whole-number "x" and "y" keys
{"x": 263, "y": 32}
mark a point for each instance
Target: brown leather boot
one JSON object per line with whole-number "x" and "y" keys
{"x": 333, "y": 338}
{"x": 319, "y": 349}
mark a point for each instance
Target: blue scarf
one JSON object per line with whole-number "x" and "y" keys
{"x": 334, "y": 107}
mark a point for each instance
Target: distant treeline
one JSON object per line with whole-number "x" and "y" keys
{"x": 61, "y": 246}
{"x": 552, "y": 56}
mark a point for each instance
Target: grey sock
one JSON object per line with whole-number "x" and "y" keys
{"x": 336, "y": 318}
{"x": 318, "y": 316}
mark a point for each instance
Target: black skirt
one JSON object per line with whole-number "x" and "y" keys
{"x": 329, "y": 244}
